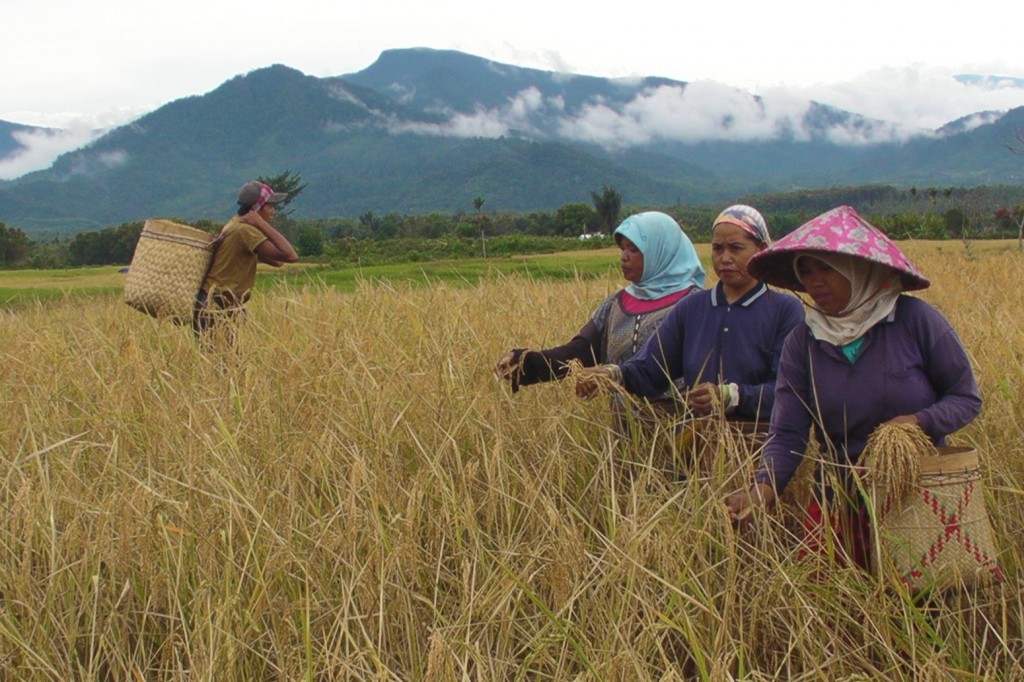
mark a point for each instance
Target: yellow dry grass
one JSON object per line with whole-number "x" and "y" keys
{"x": 352, "y": 495}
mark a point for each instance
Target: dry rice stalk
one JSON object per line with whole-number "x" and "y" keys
{"x": 712, "y": 437}
{"x": 716, "y": 403}
{"x": 605, "y": 384}
{"x": 440, "y": 666}
{"x": 892, "y": 458}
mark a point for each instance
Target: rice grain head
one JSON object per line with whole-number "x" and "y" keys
{"x": 892, "y": 458}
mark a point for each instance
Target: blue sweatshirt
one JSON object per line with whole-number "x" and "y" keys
{"x": 705, "y": 338}
{"x": 911, "y": 362}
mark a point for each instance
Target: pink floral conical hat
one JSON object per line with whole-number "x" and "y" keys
{"x": 840, "y": 230}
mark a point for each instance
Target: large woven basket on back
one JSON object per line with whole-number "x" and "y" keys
{"x": 939, "y": 534}
{"x": 168, "y": 268}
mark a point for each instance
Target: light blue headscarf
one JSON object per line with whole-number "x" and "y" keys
{"x": 670, "y": 262}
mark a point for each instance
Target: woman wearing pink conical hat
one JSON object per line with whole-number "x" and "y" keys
{"x": 868, "y": 354}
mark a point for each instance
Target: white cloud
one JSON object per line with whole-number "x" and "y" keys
{"x": 916, "y": 96}
{"x": 90, "y": 164}
{"x": 708, "y": 111}
{"x": 977, "y": 120}
{"x": 868, "y": 133}
{"x": 515, "y": 116}
{"x": 401, "y": 93}
{"x": 40, "y": 148}
{"x": 112, "y": 159}
{"x": 701, "y": 111}
{"x": 341, "y": 94}
{"x": 67, "y": 133}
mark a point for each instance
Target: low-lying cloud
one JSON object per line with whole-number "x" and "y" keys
{"x": 523, "y": 114}
{"x": 916, "y": 97}
{"x": 93, "y": 163}
{"x": 889, "y": 105}
{"x": 57, "y": 135}
{"x": 40, "y": 147}
{"x": 700, "y": 111}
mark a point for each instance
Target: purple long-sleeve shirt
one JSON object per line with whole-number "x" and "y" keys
{"x": 912, "y": 362}
{"x": 705, "y": 338}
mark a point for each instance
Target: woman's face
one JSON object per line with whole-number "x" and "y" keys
{"x": 830, "y": 290}
{"x": 731, "y": 248}
{"x": 631, "y": 260}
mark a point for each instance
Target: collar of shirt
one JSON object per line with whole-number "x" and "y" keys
{"x": 746, "y": 300}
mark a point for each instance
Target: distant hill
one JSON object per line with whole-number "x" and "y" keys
{"x": 428, "y": 130}
{"x": 447, "y": 81}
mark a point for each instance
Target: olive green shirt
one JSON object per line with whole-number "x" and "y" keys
{"x": 233, "y": 271}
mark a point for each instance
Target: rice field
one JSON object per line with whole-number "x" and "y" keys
{"x": 349, "y": 493}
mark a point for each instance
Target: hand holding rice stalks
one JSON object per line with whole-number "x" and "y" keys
{"x": 589, "y": 381}
{"x": 892, "y": 458}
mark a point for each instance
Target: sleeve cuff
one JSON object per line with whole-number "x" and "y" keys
{"x": 730, "y": 397}
{"x": 614, "y": 372}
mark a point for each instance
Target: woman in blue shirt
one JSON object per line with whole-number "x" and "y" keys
{"x": 724, "y": 342}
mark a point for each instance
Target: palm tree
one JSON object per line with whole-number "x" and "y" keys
{"x": 478, "y": 204}
{"x": 607, "y": 204}
{"x": 287, "y": 182}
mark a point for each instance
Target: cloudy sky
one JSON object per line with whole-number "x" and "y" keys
{"x": 79, "y": 65}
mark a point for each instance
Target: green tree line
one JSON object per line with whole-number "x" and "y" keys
{"x": 929, "y": 213}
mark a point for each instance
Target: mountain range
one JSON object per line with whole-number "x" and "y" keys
{"x": 425, "y": 130}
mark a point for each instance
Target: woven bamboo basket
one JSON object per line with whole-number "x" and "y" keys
{"x": 167, "y": 269}
{"x": 939, "y": 535}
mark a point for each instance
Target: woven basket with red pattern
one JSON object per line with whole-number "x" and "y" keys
{"x": 939, "y": 535}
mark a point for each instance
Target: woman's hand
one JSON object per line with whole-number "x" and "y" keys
{"x": 509, "y": 364}
{"x": 590, "y": 380}
{"x": 701, "y": 398}
{"x": 742, "y": 503}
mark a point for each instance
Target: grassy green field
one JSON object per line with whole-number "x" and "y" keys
{"x": 349, "y": 494}
{"x": 22, "y": 287}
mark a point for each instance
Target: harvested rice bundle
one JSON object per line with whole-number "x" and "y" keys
{"x": 605, "y": 383}
{"x": 892, "y": 458}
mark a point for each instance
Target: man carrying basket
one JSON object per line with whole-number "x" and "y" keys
{"x": 246, "y": 239}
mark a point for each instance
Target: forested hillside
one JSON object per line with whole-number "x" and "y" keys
{"x": 424, "y": 131}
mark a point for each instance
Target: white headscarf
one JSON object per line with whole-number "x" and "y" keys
{"x": 874, "y": 288}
